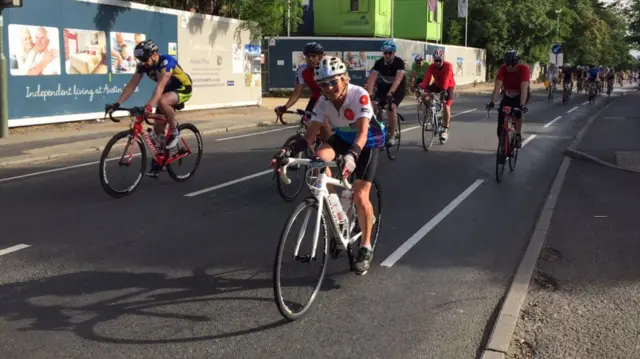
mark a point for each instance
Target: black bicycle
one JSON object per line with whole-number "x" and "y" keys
{"x": 379, "y": 111}
{"x": 289, "y": 192}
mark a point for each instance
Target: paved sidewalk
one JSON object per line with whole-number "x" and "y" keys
{"x": 584, "y": 299}
{"x": 612, "y": 138}
{"x": 42, "y": 143}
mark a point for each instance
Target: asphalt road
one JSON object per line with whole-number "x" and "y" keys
{"x": 163, "y": 275}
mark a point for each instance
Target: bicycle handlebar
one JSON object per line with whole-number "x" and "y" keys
{"x": 133, "y": 111}
{"x": 314, "y": 163}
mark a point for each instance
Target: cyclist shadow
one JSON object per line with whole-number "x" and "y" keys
{"x": 64, "y": 303}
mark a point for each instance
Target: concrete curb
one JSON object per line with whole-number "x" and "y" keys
{"x": 502, "y": 332}
{"x": 34, "y": 159}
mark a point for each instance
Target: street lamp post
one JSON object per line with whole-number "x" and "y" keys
{"x": 558, "y": 30}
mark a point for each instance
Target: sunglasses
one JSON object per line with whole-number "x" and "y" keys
{"x": 437, "y": 61}
{"x": 388, "y": 52}
{"x": 329, "y": 83}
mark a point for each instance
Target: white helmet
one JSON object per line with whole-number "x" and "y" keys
{"x": 329, "y": 66}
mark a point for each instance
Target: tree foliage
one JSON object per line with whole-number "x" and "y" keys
{"x": 264, "y": 17}
{"x": 591, "y": 32}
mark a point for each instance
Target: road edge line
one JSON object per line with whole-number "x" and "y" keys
{"x": 502, "y": 332}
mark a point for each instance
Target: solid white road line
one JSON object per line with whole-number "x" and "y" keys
{"x": 255, "y": 133}
{"x": 573, "y": 109}
{"x": 586, "y": 102}
{"x": 410, "y": 128}
{"x": 552, "y": 121}
{"x": 413, "y": 240}
{"x": 58, "y": 169}
{"x": 528, "y": 139}
{"x": 13, "y": 249}
{"x": 227, "y": 184}
{"x": 452, "y": 116}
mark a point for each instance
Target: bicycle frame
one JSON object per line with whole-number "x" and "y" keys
{"x": 138, "y": 130}
{"x": 321, "y": 193}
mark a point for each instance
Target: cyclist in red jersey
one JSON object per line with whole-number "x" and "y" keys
{"x": 515, "y": 78}
{"x": 314, "y": 52}
{"x": 442, "y": 72}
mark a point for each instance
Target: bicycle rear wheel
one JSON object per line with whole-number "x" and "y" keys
{"x": 289, "y": 192}
{"x": 293, "y": 310}
{"x": 125, "y": 160}
{"x": 184, "y": 129}
{"x": 393, "y": 150}
{"x": 500, "y": 157}
{"x": 376, "y": 200}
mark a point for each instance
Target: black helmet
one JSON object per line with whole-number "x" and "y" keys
{"x": 313, "y": 48}
{"x": 145, "y": 49}
{"x": 511, "y": 57}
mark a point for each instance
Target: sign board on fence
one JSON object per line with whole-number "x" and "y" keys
{"x": 10, "y": 3}
{"x": 557, "y": 59}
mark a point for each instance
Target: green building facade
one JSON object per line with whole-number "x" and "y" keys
{"x": 373, "y": 18}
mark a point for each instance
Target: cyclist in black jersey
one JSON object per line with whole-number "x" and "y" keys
{"x": 388, "y": 75}
{"x": 174, "y": 87}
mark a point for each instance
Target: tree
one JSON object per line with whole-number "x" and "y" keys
{"x": 263, "y": 17}
{"x": 591, "y": 32}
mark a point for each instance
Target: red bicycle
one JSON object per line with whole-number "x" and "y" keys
{"x": 506, "y": 143}
{"x": 172, "y": 160}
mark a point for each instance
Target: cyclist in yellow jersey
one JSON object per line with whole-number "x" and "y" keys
{"x": 174, "y": 87}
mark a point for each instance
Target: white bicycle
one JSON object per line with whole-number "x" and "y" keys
{"x": 339, "y": 229}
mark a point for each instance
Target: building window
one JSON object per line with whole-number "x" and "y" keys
{"x": 355, "y": 5}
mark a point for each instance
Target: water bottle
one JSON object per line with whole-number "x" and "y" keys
{"x": 152, "y": 137}
{"x": 162, "y": 140}
{"x": 345, "y": 201}
{"x": 336, "y": 208}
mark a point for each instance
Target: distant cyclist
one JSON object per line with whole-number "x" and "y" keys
{"x": 388, "y": 75}
{"x": 442, "y": 73}
{"x": 358, "y": 137}
{"x": 515, "y": 78}
{"x": 567, "y": 76}
{"x": 313, "y": 53}
{"x": 174, "y": 88}
{"x": 418, "y": 69}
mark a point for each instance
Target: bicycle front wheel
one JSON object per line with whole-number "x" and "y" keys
{"x": 187, "y": 131}
{"x": 422, "y": 113}
{"x": 429, "y": 134}
{"x": 297, "y": 174}
{"x": 501, "y": 157}
{"x": 124, "y": 159}
{"x": 393, "y": 150}
{"x": 289, "y": 309}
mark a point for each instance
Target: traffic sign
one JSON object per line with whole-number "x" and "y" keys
{"x": 556, "y": 49}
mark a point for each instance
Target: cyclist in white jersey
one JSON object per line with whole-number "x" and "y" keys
{"x": 358, "y": 137}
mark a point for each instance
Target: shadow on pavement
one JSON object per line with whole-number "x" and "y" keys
{"x": 121, "y": 295}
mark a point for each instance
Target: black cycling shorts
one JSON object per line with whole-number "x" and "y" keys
{"x": 514, "y": 103}
{"x": 383, "y": 89}
{"x": 367, "y": 161}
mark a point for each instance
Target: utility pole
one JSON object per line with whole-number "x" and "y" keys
{"x": 288, "y": 18}
{"x": 558, "y": 30}
{"x": 4, "y": 110}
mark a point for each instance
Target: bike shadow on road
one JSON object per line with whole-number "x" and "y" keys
{"x": 90, "y": 303}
